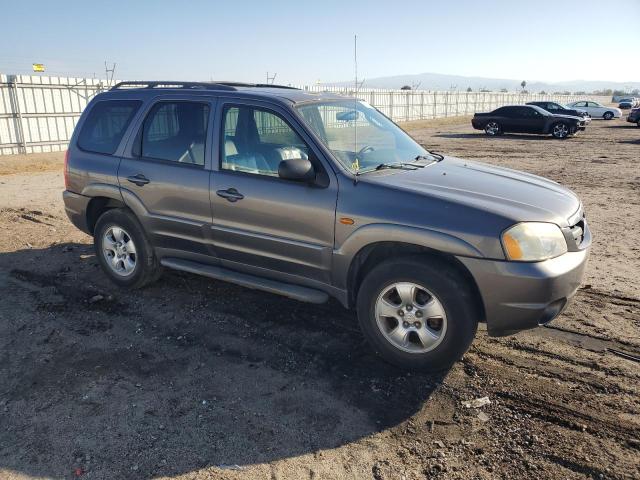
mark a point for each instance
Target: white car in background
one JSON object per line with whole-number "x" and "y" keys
{"x": 596, "y": 110}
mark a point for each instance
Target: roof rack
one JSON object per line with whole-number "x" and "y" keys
{"x": 196, "y": 85}
{"x": 172, "y": 84}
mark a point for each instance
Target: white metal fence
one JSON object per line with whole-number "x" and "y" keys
{"x": 39, "y": 113}
{"x": 409, "y": 105}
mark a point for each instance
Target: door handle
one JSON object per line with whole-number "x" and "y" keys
{"x": 138, "y": 179}
{"x": 230, "y": 194}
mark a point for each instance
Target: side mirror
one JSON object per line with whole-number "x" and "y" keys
{"x": 297, "y": 170}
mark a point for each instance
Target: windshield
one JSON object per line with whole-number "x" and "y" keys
{"x": 359, "y": 136}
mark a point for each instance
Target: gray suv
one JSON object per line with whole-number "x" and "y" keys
{"x": 314, "y": 195}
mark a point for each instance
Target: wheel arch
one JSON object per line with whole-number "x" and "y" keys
{"x": 371, "y": 255}
{"x": 97, "y": 206}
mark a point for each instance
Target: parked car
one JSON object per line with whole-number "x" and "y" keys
{"x": 634, "y": 116}
{"x": 626, "y": 103}
{"x": 527, "y": 119}
{"x": 553, "y": 107}
{"x": 596, "y": 110}
{"x": 270, "y": 188}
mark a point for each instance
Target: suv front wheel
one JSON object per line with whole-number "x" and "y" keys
{"x": 124, "y": 252}
{"x": 418, "y": 313}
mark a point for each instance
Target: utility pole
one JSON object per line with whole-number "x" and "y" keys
{"x": 271, "y": 80}
{"x": 109, "y": 72}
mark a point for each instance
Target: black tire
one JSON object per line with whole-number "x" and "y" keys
{"x": 147, "y": 268}
{"x": 452, "y": 291}
{"x": 608, "y": 115}
{"x": 556, "y": 131}
{"x": 493, "y": 132}
{"x": 638, "y": 123}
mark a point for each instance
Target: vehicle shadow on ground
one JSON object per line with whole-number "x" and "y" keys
{"x": 628, "y": 125}
{"x": 184, "y": 374}
{"x": 506, "y": 136}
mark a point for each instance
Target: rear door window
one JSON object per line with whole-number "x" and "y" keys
{"x": 105, "y": 126}
{"x": 176, "y": 131}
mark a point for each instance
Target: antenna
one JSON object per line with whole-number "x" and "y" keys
{"x": 270, "y": 80}
{"x": 356, "y": 161}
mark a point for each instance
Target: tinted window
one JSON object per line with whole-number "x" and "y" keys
{"x": 256, "y": 141}
{"x": 106, "y": 124}
{"x": 528, "y": 112}
{"x": 553, "y": 106}
{"x": 176, "y": 131}
{"x": 508, "y": 111}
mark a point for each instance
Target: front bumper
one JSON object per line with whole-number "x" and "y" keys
{"x": 75, "y": 206}
{"x": 518, "y": 295}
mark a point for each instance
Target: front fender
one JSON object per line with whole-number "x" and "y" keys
{"x": 384, "y": 232}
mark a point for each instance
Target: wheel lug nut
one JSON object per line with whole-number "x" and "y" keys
{"x": 409, "y": 308}
{"x": 416, "y": 324}
{"x": 401, "y": 313}
{"x": 419, "y": 314}
{"x": 405, "y": 324}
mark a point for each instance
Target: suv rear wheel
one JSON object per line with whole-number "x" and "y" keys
{"x": 417, "y": 313}
{"x": 124, "y": 252}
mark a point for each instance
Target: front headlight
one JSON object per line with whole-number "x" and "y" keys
{"x": 533, "y": 241}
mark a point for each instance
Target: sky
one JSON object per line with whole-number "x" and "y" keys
{"x": 309, "y": 42}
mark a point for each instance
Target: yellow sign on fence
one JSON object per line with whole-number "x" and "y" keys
{"x": 38, "y": 67}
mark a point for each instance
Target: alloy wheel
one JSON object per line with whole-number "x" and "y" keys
{"x": 119, "y": 251}
{"x": 492, "y": 128}
{"x": 410, "y": 317}
{"x": 560, "y": 130}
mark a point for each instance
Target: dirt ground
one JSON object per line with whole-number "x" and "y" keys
{"x": 196, "y": 379}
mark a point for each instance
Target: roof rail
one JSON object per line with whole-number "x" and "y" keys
{"x": 257, "y": 85}
{"x": 196, "y": 85}
{"x": 173, "y": 84}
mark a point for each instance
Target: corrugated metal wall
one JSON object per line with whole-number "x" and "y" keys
{"x": 39, "y": 113}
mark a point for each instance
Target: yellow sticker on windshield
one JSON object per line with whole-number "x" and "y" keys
{"x": 355, "y": 165}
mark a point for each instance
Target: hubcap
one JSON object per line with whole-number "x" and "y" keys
{"x": 119, "y": 251}
{"x": 410, "y": 317}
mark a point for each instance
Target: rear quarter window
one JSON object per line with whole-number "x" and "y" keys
{"x": 106, "y": 124}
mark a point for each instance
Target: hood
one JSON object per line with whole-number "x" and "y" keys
{"x": 567, "y": 115}
{"x": 513, "y": 195}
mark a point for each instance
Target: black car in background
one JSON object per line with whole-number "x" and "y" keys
{"x": 634, "y": 116}
{"x": 553, "y": 107}
{"x": 527, "y": 119}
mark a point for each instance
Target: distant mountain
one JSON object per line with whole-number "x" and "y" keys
{"x": 439, "y": 81}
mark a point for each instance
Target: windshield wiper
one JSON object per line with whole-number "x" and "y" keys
{"x": 437, "y": 156}
{"x": 399, "y": 166}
